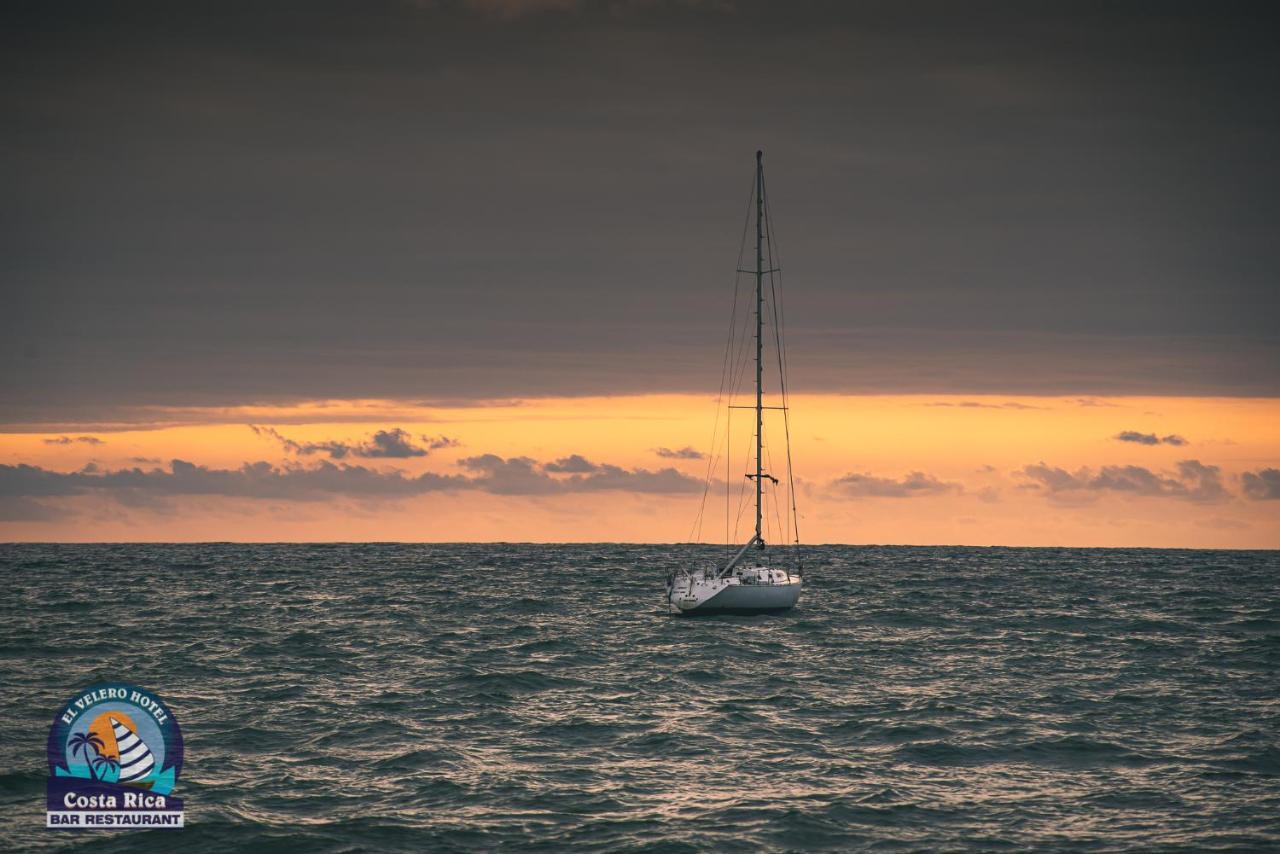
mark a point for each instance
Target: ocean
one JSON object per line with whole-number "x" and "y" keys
{"x": 463, "y": 697}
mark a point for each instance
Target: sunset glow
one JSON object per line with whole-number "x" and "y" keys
{"x": 1140, "y": 471}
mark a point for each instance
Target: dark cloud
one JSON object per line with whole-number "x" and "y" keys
{"x": 610, "y": 477}
{"x": 1149, "y": 438}
{"x": 394, "y": 444}
{"x": 1262, "y": 485}
{"x": 1191, "y": 481}
{"x": 685, "y": 453}
{"x": 514, "y": 476}
{"x": 68, "y": 440}
{"x": 401, "y": 202}
{"x": 912, "y": 485}
{"x": 486, "y": 473}
{"x": 974, "y": 404}
{"x": 1139, "y": 438}
{"x": 572, "y": 464}
{"x": 336, "y": 450}
{"x": 524, "y": 476}
{"x": 389, "y": 444}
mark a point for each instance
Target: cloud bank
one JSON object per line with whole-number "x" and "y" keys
{"x": 1263, "y": 485}
{"x": 912, "y": 485}
{"x": 69, "y": 440}
{"x": 1191, "y": 481}
{"x": 1149, "y": 438}
{"x": 685, "y": 453}
{"x": 21, "y": 484}
{"x": 383, "y": 444}
{"x": 974, "y": 404}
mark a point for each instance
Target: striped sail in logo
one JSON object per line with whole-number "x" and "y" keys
{"x": 136, "y": 760}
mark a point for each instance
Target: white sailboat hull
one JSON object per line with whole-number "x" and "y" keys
{"x": 696, "y": 595}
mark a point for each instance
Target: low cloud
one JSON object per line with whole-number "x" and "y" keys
{"x": 336, "y": 450}
{"x": 685, "y": 453}
{"x": 572, "y": 464}
{"x": 1149, "y": 438}
{"x": 525, "y": 476}
{"x": 1262, "y": 485}
{"x": 21, "y": 483}
{"x": 70, "y": 440}
{"x": 17, "y": 509}
{"x": 974, "y": 404}
{"x": 1191, "y": 481}
{"x": 382, "y": 444}
{"x": 390, "y": 444}
{"x": 912, "y": 485}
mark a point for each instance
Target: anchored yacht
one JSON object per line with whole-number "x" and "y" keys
{"x": 755, "y": 579}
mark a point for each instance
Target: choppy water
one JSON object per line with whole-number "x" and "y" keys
{"x": 344, "y": 697}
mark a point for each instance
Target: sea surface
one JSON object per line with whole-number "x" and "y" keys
{"x": 462, "y": 697}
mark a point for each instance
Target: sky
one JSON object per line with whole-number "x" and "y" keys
{"x": 462, "y": 270}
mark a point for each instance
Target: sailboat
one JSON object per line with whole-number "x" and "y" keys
{"x": 755, "y": 579}
{"x": 136, "y": 761}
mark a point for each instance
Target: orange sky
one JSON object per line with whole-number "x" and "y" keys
{"x": 871, "y": 469}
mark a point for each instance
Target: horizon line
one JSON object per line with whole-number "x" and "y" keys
{"x": 597, "y": 543}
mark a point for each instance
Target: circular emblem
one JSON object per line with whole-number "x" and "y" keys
{"x": 115, "y": 753}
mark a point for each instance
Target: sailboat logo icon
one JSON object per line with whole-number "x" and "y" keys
{"x": 135, "y": 760}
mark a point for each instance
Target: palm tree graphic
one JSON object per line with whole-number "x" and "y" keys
{"x": 82, "y": 742}
{"x": 110, "y": 763}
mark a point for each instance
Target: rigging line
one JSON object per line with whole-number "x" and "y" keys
{"x": 775, "y": 289}
{"x": 742, "y": 244}
{"x": 780, "y": 338}
{"x": 741, "y": 358}
{"x": 731, "y": 386}
{"x": 713, "y": 460}
{"x": 786, "y": 425}
{"x": 727, "y": 385}
{"x": 782, "y": 532}
{"x": 727, "y": 372}
{"x": 738, "y": 373}
{"x": 765, "y": 522}
{"x": 737, "y": 367}
{"x": 775, "y": 262}
{"x": 742, "y": 492}
{"x": 786, "y": 421}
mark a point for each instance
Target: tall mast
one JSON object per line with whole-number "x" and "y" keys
{"x": 759, "y": 337}
{"x": 758, "y": 539}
